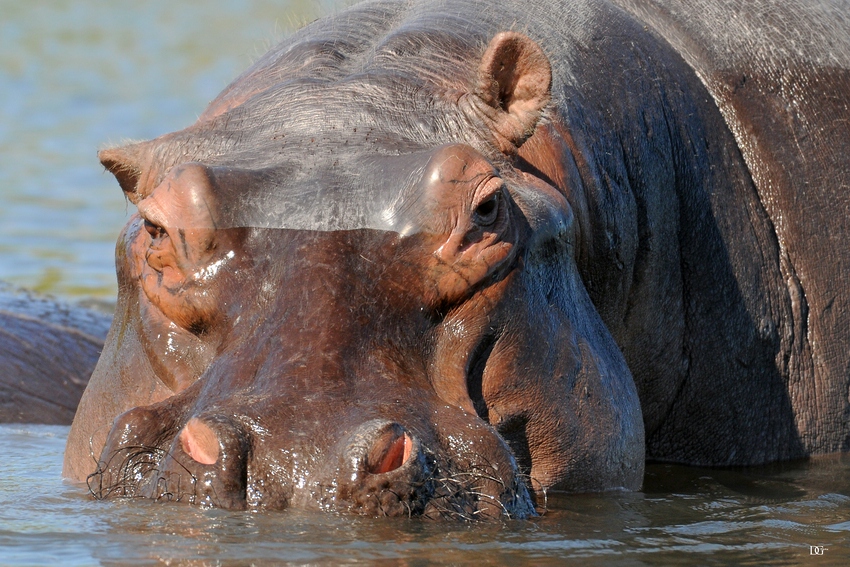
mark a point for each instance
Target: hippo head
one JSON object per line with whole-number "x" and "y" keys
{"x": 346, "y": 290}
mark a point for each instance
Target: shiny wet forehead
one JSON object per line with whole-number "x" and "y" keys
{"x": 383, "y": 192}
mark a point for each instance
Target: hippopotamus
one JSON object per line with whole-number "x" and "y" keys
{"x": 439, "y": 258}
{"x": 48, "y": 350}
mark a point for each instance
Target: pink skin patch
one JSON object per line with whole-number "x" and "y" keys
{"x": 396, "y": 455}
{"x": 200, "y": 442}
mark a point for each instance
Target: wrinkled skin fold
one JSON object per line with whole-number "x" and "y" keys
{"x": 414, "y": 263}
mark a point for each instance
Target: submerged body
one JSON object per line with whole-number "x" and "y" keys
{"x": 424, "y": 257}
{"x": 48, "y": 350}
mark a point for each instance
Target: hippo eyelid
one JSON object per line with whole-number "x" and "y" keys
{"x": 150, "y": 212}
{"x": 486, "y": 210}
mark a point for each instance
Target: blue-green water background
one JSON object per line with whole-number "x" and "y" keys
{"x": 76, "y": 76}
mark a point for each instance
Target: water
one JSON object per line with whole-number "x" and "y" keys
{"x": 684, "y": 516}
{"x": 75, "y": 76}
{"x": 78, "y": 76}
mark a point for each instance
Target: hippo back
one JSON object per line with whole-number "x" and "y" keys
{"x": 780, "y": 74}
{"x": 48, "y": 350}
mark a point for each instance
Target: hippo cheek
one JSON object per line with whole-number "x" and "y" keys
{"x": 530, "y": 355}
{"x": 555, "y": 385}
{"x": 578, "y": 431}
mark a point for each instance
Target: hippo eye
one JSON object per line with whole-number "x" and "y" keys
{"x": 154, "y": 230}
{"x": 487, "y": 211}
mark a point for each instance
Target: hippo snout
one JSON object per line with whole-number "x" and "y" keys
{"x": 203, "y": 462}
{"x": 392, "y": 470}
{"x": 378, "y": 468}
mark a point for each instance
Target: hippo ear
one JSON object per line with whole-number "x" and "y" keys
{"x": 126, "y": 163}
{"x": 514, "y": 81}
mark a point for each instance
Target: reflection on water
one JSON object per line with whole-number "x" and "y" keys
{"x": 684, "y": 516}
{"x": 76, "y": 76}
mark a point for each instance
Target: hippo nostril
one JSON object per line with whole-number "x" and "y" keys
{"x": 200, "y": 442}
{"x": 390, "y": 451}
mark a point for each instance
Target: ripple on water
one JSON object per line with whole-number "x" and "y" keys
{"x": 698, "y": 521}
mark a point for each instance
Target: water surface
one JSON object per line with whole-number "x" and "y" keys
{"x": 684, "y": 516}
{"x": 78, "y": 76}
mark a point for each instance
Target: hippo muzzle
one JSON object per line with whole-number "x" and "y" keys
{"x": 379, "y": 468}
